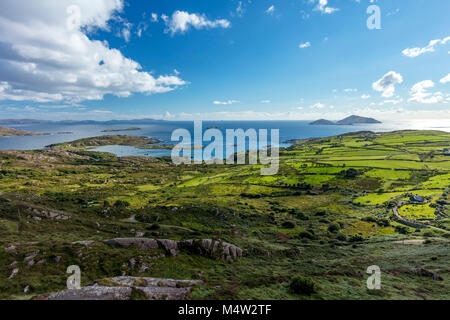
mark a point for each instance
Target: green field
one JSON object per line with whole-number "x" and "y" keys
{"x": 326, "y": 216}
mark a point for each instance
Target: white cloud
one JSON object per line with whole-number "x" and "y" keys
{"x": 415, "y": 52}
{"x": 387, "y": 83}
{"x": 318, "y": 106}
{"x": 304, "y": 45}
{"x": 46, "y": 56}
{"x": 351, "y": 90}
{"x": 266, "y": 101}
{"x": 154, "y": 17}
{"x": 240, "y": 10}
{"x": 445, "y": 79}
{"x": 304, "y": 15}
{"x": 392, "y": 101}
{"x": 270, "y": 10}
{"x": 365, "y": 96}
{"x": 226, "y": 102}
{"x": 126, "y": 31}
{"x": 182, "y": 21}
{"x": 322, "y": 6}
{"x": 142, "y": 26}
{"x": 419, "y": 93}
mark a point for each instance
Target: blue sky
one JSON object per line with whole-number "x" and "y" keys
{"x": 224, "y": 59}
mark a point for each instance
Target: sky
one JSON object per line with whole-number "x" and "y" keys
{"x": 224, "y": 59}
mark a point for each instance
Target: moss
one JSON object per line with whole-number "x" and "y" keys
{"x": 137, "y": 294}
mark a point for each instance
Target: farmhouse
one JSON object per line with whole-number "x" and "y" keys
{"x": 417, "y": 199}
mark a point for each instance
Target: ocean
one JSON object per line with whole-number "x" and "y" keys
{"x": 162, "y": 130}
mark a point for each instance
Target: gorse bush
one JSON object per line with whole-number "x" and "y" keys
{"x": 302, "y": 285}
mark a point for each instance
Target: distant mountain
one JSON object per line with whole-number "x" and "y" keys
{"x": 22, "y": 121}
{"x": 345, "y": 122}
{"x": 323, "y": 122}
{"x": 356, "y": 119}
{"x": 35, "y": 121}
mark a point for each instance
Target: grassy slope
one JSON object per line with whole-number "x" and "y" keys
{"x": 236, "y": 204}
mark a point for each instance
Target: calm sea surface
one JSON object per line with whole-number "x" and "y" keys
{"x": 61, "y": 132}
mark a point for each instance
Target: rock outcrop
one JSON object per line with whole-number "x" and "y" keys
{"x": 130, "y": 288}
{"x": 141, "y": 243}
{"x": 206, "y": 247}
{"x": 212, "y": 248}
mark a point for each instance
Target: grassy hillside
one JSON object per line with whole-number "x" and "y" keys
{"x": 328, "y": 215}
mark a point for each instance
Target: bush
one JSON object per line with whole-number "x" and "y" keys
{"x": 341, "y": 237}
{"x": 302, "y": 285}
{"x": 306, "y": 235}
{"x": 334, "y": 227}
{"x": 401, "y": 230}
{"x": 288, "y": 225}
{"x": 121, "y": 204}
{"x": 154, "y": 226}
{"x": 356, "y": 238}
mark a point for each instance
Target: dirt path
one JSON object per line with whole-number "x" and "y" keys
{"x": 416, "y": 242}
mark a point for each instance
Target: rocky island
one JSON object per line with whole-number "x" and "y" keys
{"x": 122, "y": 130}
{"x": 349, "y": 121}
{"x": 119, "y": 140}
{"x": 9, "y": 132}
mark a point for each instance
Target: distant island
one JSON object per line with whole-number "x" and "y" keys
{"x": 345, "y": 122}
{"x": 119, "y": 140}
{"x": 9, "y": 132}
{"x": 121, "y": 130}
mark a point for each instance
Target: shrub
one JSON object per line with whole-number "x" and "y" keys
{"x": 154, "y": 226}
{"x": 121, "y": 204}
{"x": 334, "y": 227}
{"x": 306, "y": 235}
{"x": 341, "y": 237}
{"x": 302, "y": 285}
{"x": 356, "y": 238}
{"x": 288, "y": 225}
{"x": 401, "y": 230}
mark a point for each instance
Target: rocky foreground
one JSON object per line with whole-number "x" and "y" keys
{"x": 130, "y": 288}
